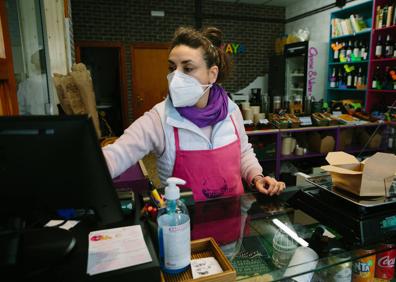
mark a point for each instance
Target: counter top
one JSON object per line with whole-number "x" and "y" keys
{"x": 244, "y": 229}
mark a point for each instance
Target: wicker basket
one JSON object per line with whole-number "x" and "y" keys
{"x": 203, "y": 248}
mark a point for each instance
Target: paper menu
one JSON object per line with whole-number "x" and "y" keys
{"x": 116, "y": 248}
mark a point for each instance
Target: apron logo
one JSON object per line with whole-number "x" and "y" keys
{"x": 216, "y": 182}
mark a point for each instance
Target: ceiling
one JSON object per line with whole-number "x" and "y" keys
{"x": 280, "y": 3}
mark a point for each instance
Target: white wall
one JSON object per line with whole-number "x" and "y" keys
{"x": 318, "y": 24}
{"x": 31, "y": 37}
{"x": 56, "y": 36}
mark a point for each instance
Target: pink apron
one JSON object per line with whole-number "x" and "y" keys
{"x": 210, "y": 173}
{"x": 220, "y": 219}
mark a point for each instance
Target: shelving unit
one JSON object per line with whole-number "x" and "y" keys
{"x": 346, "y": 89}
{"x": 274, "y": 160}
{"x": 365, "y": 11}
{"x": 378, "y": 99}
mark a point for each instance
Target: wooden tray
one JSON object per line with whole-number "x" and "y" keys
{"x": 203, "y": 248}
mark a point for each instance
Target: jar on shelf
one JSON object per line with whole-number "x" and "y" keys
{"x": 249, "y": 125}
{"x": 255, "y": 97}
{"x": 307, "y": 105}
{"x": 276, "y": 103}
{"x": 263, "y": 124}
{"x": 265, "y": 104}
{"x": 297, "y": 104}
{"x": 286, "y": 103}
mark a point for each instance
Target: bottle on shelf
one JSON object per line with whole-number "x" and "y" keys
{"x": 286, "y": 103}
{"x": 276, "y": 104}
{"x": 343, "y": 52}
{"x": 384, "y": 16}
{"x": 393, "y": 78}
{"x": 349, "y": 51}
{"x": 297, "y": 105}
{"x": 339, "y": 77}
{"x": 379, "y": 48}
{"x": 350, "y": 79}
{"x": 336, "y": 53}
{"x": 355, "y": 79}
{"x": 388, "y": 47}
{"x": 333, "y": 79}
{"x": 376, "y": 83}
{"x": 394, "y": 50}
{"x": 393, "y": 21}
{"x": 378, "y": 20}
{"x": 356, "y": 51}
{"x": 342, "y": 79}
{"x": 359, "y": 79}
{"x": 389, "y": 17}
{"x": 363, "y": 50}
{"x": 387, "y": 82}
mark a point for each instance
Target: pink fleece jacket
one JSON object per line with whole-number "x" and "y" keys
{"x": 147, "y": 135}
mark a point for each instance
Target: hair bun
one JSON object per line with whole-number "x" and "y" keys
{"x": 214, "y": 35}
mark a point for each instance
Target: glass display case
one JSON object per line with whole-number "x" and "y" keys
{"x": 271, "y": 239}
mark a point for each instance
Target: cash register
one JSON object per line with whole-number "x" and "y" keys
{"x": 360, "y": 220}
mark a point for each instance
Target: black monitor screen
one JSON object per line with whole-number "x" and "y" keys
{"x": 53, "y": 162}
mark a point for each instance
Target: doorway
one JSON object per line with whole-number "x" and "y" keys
{"x": 105, "y": 61}
{"x": 149, "y": 71}
{"x": 29, "y": 58}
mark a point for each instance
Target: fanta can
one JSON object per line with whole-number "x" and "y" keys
{"x": 363, "y": 268}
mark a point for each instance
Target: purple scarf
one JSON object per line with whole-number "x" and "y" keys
{"x": 216, "y": 110}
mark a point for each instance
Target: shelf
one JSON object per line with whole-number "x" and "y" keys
{"x": 368, "y": 124}
{"x": 350, "y": 63}
{"x": 384, "y": 60}
{"x": 346, "y": 89}
{"x": 262, "y": 132}
{"x": 382, "y": 91}
{"x": 266, "y": 160}
{"x": 366, "y": 32}
{"x": 307, "y": 155}
{"x": 309, "y": 128}
{"x": 385, "y": 28}
{"x": 297, "y": 89}
{"x": 297, "y": 75}
{"x": 275, "y": 159}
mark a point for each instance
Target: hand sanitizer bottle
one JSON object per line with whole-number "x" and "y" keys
{"x": 174, "y": 230}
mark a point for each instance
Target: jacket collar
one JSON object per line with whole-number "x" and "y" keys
{"x": 174, "y": 119}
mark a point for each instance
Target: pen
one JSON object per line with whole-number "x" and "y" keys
{"x": 156, "y": 196}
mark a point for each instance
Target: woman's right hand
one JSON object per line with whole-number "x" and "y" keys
{"x": 268, "y": 185}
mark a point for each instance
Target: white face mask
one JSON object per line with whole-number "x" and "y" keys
{"x": 184, "y": 89}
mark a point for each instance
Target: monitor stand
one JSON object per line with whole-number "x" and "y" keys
{"x": 33, "y": 251}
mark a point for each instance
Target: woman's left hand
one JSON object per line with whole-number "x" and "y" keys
{"x": 269, "y": 186}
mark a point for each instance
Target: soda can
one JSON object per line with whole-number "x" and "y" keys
{"x": 385, "y": 265}
{"x": 363, "y": 269}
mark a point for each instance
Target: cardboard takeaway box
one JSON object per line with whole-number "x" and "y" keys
{"x": 367, "y": 178}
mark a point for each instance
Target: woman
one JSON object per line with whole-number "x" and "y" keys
{"x": 197, "y": 133}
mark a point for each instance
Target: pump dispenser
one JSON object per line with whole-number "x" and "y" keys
{"x": 174, "y": 230}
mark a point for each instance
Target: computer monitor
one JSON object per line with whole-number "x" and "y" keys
{"x": 49, "y": 163}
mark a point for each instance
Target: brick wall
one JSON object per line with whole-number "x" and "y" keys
{"x": 129, "y": 21}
